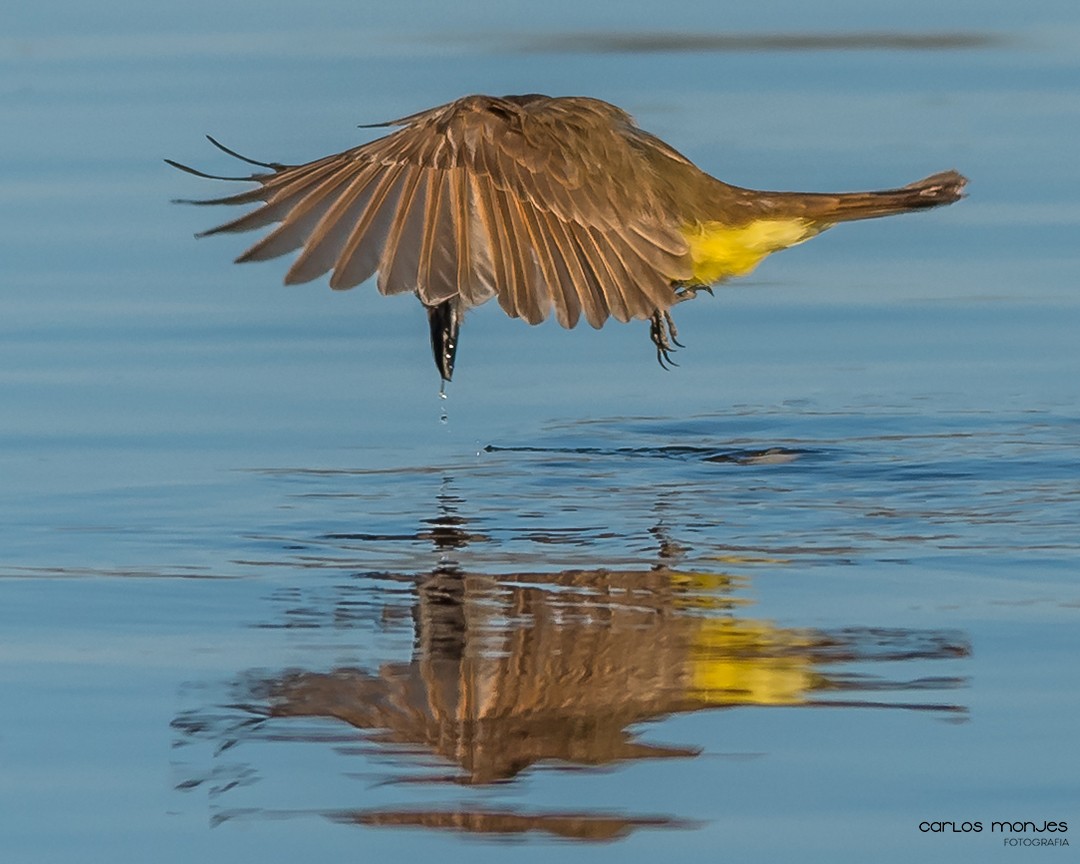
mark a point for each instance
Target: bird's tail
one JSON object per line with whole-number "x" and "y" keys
{"x": 933, "y": 191}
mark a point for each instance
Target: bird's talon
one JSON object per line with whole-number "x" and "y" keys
{"x": 662, "y": 332}
{"x": 672, "y": 331}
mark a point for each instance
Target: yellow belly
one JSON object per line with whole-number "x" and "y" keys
{"x": 720, "y": 251}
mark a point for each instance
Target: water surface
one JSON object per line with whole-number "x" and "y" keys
{"x": 811, "y": 589}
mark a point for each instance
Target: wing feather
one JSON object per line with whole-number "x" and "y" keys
{"x": 492, "y": 231}
{"x": 528, "y": 283}
{"x": 401, "y": 252}
{"x": 279, "y": 200}
{"x": 544, "y": 203}
{"x": 609, "y": 273}
{"x": 585, "y": 280}
{"x": 556, "y": 277}
{"x": 437, "y": 277}
{"x": 330, "y": 234}
{"x": 360, "y": 253}
{"x": 476, "y": 270}
{"x": 300, "y": 219}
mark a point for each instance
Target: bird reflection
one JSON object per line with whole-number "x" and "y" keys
{"x": 515, "y": 670}
{"x": 509, "y": 672}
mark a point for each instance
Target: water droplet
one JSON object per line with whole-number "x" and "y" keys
{"x": 444, "y": 416}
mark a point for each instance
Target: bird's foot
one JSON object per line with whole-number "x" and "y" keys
{"x": 664, "y": 336}
{"x": 689, "y": 292}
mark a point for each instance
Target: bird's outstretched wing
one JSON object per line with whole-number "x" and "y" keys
{"x": 544, "y": 203}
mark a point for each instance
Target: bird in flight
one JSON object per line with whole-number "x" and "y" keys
{"x": 548, "y": 204}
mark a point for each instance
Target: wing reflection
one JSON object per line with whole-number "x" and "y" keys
{"x": 527, "y": 668}
{"x": 512, "y": 672}
{"x": 508, "y": 673}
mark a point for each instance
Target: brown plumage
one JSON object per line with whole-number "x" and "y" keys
{"x": 548, "y": 204}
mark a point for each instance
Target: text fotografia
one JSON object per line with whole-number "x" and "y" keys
{"x": 1031, "y": 833}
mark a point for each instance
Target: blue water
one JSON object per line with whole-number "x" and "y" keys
{"x": 814, "y": 587}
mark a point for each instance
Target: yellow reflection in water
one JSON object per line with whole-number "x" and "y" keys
{"x": 747, "y": 662}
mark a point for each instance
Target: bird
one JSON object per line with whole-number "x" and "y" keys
{"x": 557, "y": 205}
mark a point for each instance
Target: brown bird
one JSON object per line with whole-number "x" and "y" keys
{"x": 546, "y": 203}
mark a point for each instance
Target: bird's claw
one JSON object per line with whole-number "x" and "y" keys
{"x": 689, "y": 292}
{"x": 664, "y": 336}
